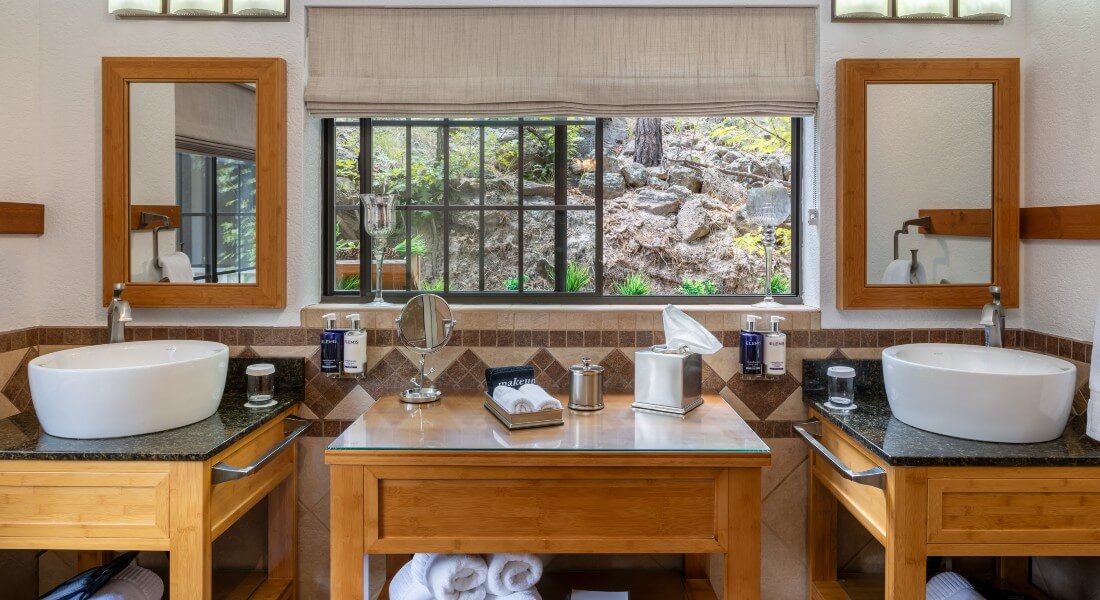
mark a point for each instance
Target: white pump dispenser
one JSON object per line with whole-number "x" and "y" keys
{"x": 355, "y": 347}
{"x": 775, "y": 349}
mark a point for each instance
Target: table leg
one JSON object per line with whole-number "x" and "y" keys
{"x": 742, "y": 580}
{"x": 906, "y": 556}
{"x": 189, "y": 547}
{"x": 347, "y": 531}
{"x": 821, "y": 530}
{"x": 282, "y": 532}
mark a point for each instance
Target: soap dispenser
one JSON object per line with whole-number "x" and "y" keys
{"x": 752, "y": 350}
{"x": 775, "y": 350}
{"x": 355, "y": 346}
{"x": 331, "y": 345}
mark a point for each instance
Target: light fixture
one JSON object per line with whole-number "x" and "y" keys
{"x": 862, "y": 9}
{"x": 924, "y": 9}
{"x": 985, "y": 9}
{"x": 260, "y": 8}
{"x": 135, "y": 8}
{"x": 196, "y": 8}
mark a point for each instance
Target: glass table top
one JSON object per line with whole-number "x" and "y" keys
{"x": 460, "y": 422}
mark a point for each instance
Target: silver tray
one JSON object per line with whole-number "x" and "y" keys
{"x": 544, "y": 418}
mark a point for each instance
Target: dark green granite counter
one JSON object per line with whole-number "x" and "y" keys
{"x": 22, "y": 438}
{"x": 873, "y": 426}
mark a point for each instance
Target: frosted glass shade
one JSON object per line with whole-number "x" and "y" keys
{"x": 128, "y": 8}
{"x": 768, "y": 206}
{"x": 260, "y": 8}
{"x": 985, "y": 9}
{"x": 862, "y": 9}
{"x": 197, "y": 8}
{"x": 924, "y": 9}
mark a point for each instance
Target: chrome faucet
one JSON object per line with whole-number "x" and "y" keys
{"x": 118, "y": 315}
{"x": 993, "y": 319}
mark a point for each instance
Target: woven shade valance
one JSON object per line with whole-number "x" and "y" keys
{"x": 563, "y": 61}
{"x": 216, "y": 118}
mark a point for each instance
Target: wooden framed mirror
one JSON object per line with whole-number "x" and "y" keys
{"x": 194, "y": 181}
{"x": 928, "y": 207}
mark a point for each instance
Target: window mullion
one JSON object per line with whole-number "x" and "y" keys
{"x": 481, "y": 212}
{"x": 365, "y": 242}
{"x": 519, "y": 213}
{"x": 446, "y": 141}
{"x": 212, "y": 217}
{"x": 561, "y": 198}
{"x": 329, "y": 195}
{"x": 598, "y": 190}
{"x": 408, "y": 208}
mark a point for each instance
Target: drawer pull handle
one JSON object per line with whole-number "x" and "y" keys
{"x": 874, "y": 477}
{"x": 223, "y": 472}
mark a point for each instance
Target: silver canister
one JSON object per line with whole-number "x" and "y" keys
{"x": 586, "y": 386}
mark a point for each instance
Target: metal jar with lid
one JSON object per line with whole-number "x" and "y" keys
{"x": 586, "y": 386}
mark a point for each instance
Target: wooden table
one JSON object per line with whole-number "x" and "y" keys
{"x": 450, "y": 478}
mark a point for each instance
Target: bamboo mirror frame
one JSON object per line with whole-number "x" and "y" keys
{"x": 269, "y": 77}
{"x": 853, "y": 78}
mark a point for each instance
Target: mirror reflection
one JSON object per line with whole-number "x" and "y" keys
{"x": 425, "y": 323}
{"x": 193, "y": 182}
{"x": 929, "y": 184}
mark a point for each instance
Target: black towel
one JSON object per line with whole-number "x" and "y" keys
{"x": 512, "y": 377}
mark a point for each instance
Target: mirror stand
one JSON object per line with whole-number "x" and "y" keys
{"x": 421, "y": 393}
{"x": 425, "y": 326}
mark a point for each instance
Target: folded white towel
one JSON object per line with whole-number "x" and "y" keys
{"x": 405, "y": 586}
{"x": 177, "y": 267}
{"x": 511, "y": 573}
{"x": 531, "y": 594}
{"x": 451, "y": 576}
{"x": 539, "y": 397}
{"x": 512, "y": 400}
{"x": 950, "y": 586}
{"x": 132, "y": 583}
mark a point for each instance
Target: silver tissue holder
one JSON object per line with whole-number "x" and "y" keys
{"x": 668, "y": 380}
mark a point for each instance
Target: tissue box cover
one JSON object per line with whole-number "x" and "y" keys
{"x": 667, "y": 380}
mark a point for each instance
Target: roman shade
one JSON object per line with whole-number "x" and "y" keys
{"x": 565, "y": 61}
{"x": 216, "y": 118}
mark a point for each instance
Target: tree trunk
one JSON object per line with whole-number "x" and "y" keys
{"x": 647, "y": 145}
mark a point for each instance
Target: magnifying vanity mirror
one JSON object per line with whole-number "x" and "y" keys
{"x": 425, "y": 325}
{"x": 928, "y": 182}
{"x": 194, "y": 180}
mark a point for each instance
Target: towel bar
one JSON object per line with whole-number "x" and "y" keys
{"x": 874, "y": 477}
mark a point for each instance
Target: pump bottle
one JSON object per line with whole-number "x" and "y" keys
{"x": 775, "y": 350}
{"x": 752, "y": 350}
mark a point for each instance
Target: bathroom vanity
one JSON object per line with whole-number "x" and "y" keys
{"x": 921, "y": 494}
{"x": 448, "y": 477}
{"x": 173, "y": 491}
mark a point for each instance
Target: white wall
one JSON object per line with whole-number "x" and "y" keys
{"x": 19, "y": 146}
{"x": 1062, "y": 161}
{"x": 152, "y": 169}
{"x": 74, "y": 35}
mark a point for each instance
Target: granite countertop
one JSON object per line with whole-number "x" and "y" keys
{"x": 873, "y": 426}
{"x": 22, "y": 437}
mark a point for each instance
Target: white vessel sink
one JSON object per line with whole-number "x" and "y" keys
{"x": 979, "y": 393}
{"x": 126, "y": 389}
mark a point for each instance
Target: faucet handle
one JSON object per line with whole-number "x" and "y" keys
{"x": 995, "y": 290}
{"x": 119, "y": 288}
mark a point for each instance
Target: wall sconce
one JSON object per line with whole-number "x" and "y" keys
{"x": 926, "y": 11}
{"x": 255, "y": 10}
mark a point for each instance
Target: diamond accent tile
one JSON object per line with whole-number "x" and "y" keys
{"x": 467, "y": 372}
{"x": 352, "y": 406}
{"x": 712, "y": 381}
{"x": 9, "y": 364}
{"x": 18, "y": 390}
{"x": 618, "y": 373}
{"x": 837, "y": 354}
{"x": 548, "y": 372}
{"x": 763, "y": 397}
{"x": 390, "y": 375}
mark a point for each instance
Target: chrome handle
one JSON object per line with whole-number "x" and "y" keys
{"x": 874, "y": 477}
{"x": 223, "y": 472}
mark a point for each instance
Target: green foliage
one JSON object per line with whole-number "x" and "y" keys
{"x": 780, "y": 284}
{"x": 753, "y": 243}
{"x": 762, "y": 135}
{"x": 635, "y": 284}
{"x": 692, "y": 287}
{"x": 512, "y": 283}
{"x": 576, "y": 277}
{"x": 347, "y": 245}
{"x": 419, "y": 247}
{"x": 432, "y": 285}
{"x": 348, "y": 283}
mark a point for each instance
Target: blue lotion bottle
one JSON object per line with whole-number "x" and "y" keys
{"x": 332, "y": 345}
{"x": 752, "y": 350}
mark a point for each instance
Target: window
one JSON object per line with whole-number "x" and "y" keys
{"x": 217, "y": 198}
{"x": 492, "y": 209}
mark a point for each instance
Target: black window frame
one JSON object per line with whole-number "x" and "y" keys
{"x": 331, "y": 295}
{"x": 210, "y": 214}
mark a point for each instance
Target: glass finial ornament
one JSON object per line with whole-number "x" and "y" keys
{"x": 380, "y": 222}
{"x": 768, "y": 207}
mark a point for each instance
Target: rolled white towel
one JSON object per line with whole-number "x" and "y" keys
{"x": 539, "y": 397}
{"x": 132, "y": 583}
{"x": 512, "y": 400}
{"x": 451, "y": 576}
{"x": 511, "y": 573}
{"x": 405, "y": 586}
{"x": 531, "y": 594}
{"x": 950, "y": 586}
{"x": 176, "y": 267}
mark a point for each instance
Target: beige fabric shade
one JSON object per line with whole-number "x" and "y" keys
{"x": 216, "y": 118}
{"x": 566, "y": 61}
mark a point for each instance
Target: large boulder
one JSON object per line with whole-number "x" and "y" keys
{"x": 657, "y": 202}
{"x": 693, "y": 220}
{"x": 657, "y": 172}
{"x": 537, "y": 188}
{"x": 659, "y": 184}
{"x": 724, "y": 187}
{"x": 634, "y": 174}
{"x": 613, "y": 185}
{"x": 680, "y": 192}
{"x": 685, "y": 176}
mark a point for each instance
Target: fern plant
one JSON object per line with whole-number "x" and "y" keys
{"x": 780, "y": 284}
{"x": 432, "y": 285}
{"x": 692, "y": 287}
{"x": 635, "y": 284}
{"x": 419, "y": 247}
{"x": 512, "y": 283}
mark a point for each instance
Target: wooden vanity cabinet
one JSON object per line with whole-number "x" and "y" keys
{"x": 118, "y": 505}
{"x": 917, "y": 512}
